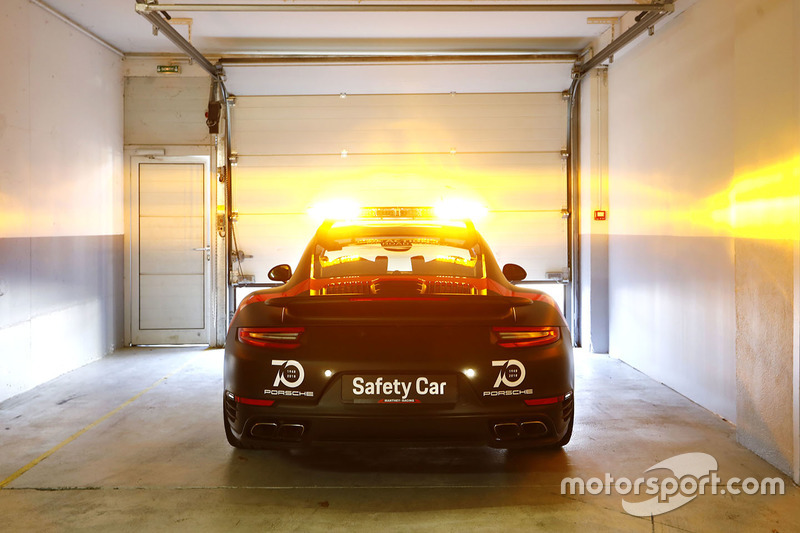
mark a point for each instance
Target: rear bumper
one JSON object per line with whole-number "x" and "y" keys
{"x": 275, "y": 427}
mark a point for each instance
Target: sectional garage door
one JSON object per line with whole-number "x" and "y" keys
{"x": 503, "y": 151}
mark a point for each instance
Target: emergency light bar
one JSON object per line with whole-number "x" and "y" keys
{"x": 398, "y": 212}
{"x": 453, "y": 209}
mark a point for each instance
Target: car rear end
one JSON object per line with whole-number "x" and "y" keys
{"x": 432, "y": 369}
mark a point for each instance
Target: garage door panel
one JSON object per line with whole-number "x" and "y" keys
{"x": 257, "y": 108}
{"x": 273, "y": 239}
{"x": 409, "y": 123}
{"x": 380, "y": 121}
{"x": 502, "y": 150}
{"x": 401, "y": 141}
{"x": 500, "y": 181}
{"x": 463, "y": 123}
{"x": 364, "y": 102}
{"x": 534, "y": 240}
{"x": 426, "y": 162}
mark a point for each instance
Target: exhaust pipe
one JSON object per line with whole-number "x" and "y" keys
{"x": 291, "y": 431}
{"x": 271, "y": 430}
{"x": 264, "y": 430}
{"x": 533, "y": 429}
{"x": 506, "y": 431}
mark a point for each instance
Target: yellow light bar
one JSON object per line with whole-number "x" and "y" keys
{"x": 452, "y": 209}
{"x": 397, "y": 212}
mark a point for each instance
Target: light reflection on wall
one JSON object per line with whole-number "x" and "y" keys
{"x": 761, "y": 204}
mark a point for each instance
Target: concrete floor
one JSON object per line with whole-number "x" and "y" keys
{"x": 135, "y": 442}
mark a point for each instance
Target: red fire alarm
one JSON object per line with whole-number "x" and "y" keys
{"x": 599, "y": 215}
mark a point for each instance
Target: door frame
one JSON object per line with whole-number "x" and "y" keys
{"x": 131, "y": 272}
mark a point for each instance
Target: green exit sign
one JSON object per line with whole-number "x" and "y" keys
{"x": 168, "y": 69}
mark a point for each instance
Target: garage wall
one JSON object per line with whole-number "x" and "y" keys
{"x": 766, "y": 196}
{"x": 593, "y": 190}
{"x": 703, "y": 222}
{"x": 60, "y": 198}
{"x": 671, "y": 262}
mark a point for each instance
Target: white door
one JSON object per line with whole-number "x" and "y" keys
{"x": 170, "y": 252}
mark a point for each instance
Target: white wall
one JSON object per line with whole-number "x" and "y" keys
{"x": 593, "y": 189}
{"x": 671, "y": 269}
{"x": 766, "y": 221}
{"x": 60, "y": 198}
{"x": 703, "y": 134}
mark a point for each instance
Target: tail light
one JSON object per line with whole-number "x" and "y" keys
{"x": 524, "y": 337}
{"x": 544, "y": 401}
{"x": 280, "y": 338}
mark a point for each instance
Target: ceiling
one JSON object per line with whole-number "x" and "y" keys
{"x": 223, "y": 33}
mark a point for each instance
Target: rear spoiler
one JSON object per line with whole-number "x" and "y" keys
{"x": 433, "y": 300}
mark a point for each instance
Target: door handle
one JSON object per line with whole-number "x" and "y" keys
{"x": 203, "y": 249}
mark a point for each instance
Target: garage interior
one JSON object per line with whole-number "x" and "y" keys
{"x": 640, "y": 159}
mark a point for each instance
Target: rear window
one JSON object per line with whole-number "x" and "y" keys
{"x": 399, "y": 254}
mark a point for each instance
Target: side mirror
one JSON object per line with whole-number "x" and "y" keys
{"x": 280, "y": 273}
{"x": 514, "y": 272}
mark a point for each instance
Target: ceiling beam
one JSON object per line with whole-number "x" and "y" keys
{"x": 271, "y": 59}
{"x": 386, "y": 7}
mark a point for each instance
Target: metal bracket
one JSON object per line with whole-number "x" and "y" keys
{"x": 602, "y": 20}
{"x": 561, "y": 276}
{"x": 648, "y": 19}
{"x": 158, "y": 17}
{"x": 241, "y": 256}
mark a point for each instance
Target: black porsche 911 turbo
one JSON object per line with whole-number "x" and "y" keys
{"x": 399, "y": 328}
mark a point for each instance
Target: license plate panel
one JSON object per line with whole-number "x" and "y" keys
{"x": 399, "y": 389}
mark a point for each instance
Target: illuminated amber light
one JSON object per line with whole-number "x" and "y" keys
{"x": 457, "y": 260}
{"x": 340, "y": 260}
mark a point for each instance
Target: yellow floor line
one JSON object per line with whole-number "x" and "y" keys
{"x": 10, "y": 479}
